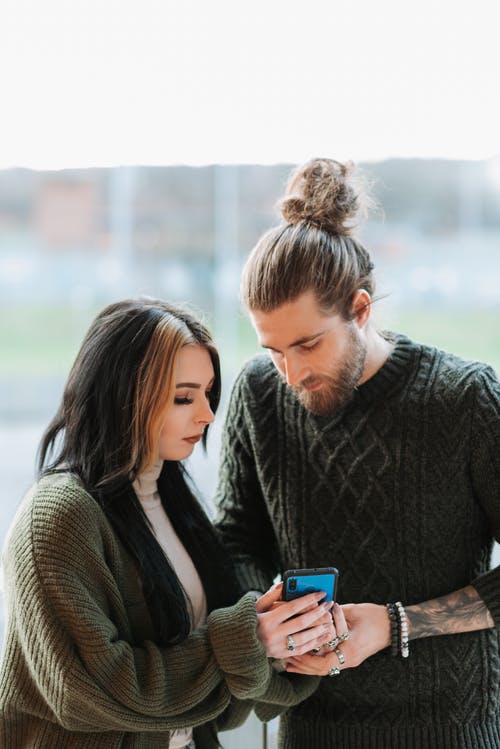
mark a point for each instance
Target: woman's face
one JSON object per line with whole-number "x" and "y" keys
{"x": 188, "y": 415}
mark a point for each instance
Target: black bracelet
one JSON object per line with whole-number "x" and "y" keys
{"x": 399, "y": 629}
{"x": 394, "y": 619}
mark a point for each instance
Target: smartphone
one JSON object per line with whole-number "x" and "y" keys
{"x": 298, "y": 583}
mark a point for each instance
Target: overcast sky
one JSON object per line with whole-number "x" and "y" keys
{"x": 101, "y": 82}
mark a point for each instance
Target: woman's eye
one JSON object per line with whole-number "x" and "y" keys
{"x": 182, "y": 401}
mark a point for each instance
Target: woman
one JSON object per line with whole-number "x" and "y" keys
{"x": 124, "y": 628}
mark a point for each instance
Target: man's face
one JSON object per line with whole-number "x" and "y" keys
{"x": 320, "y": 356}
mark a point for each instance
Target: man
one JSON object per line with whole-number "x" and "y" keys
{"x": 364, "y": 450}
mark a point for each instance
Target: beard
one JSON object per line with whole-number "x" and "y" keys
{"x": 339, "y": 387}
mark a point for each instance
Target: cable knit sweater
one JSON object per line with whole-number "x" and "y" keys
{"x": 81, "y": 668}
{"x": 401, "y": 492}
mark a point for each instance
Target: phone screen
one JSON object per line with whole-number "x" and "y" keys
{"x": 298, "y": 583}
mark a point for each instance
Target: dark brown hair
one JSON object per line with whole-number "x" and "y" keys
{"x": 106, "y": 432}
{"x": 118, "y": 388}
{"x": 314, "y": 248}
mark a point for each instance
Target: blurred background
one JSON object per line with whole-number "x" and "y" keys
{"x": 143, "y": 147}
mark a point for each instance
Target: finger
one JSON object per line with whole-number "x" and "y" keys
{"x": 309, "y": 639}
{"x": 276, "y": 604}
{"x": 310, "y": 619}
{"x": 339, "y": 619}
{"x": 318, "y": 646}
{"x": 304, "y": 668}
{"x": 306, "y": 659}
{"x": 304, "y": 603}
{"x": 326, "y": 638}
{"x": 327, "y": 619}
{"x": 268, "y": 598}
{"x": 312, "y": 664}
{"x": 312, "y": 638}
{"x": 330, "y": 631}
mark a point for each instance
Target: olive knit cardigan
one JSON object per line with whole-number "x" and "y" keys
{"x": 81, "y": 667}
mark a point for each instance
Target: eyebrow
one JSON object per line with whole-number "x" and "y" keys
{"x": 300, "y": 341}
{"x": 195, "y": 385}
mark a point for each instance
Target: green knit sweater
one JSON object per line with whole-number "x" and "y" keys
{"x": 81, "y": 667}
{"x": 401, "y": 492}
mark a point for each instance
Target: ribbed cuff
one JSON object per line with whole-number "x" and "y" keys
{"x": 239, "y": 652}
{"x": 284, "y": 691}
{"x": 488, "y": 587}
{"x": 297, "y": 733}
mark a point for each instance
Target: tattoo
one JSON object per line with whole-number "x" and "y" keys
{"x": 461, "y": 611}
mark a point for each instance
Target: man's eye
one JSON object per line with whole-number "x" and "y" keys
{"x": 182, "y": 401}
{"x": 310, "y": 347}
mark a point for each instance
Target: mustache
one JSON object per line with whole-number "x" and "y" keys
{"x": 313, "y": 380}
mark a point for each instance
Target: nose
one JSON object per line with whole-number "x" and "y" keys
{"x": 293, "y": 370}
{"x": 205, "y": 415}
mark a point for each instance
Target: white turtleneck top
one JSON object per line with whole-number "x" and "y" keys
{"x": 146, "y": 488}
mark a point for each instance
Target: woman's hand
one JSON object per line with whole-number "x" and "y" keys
{"x": 292, "y": 626}
{"x": 363, "y": 629}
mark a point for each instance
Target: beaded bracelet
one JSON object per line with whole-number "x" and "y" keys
{"x": 399, "y": 629}
{"x": 403, "y": 630}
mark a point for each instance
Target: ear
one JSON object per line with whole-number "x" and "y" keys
{"x": 361, "y": 307}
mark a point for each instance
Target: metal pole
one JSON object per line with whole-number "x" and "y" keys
{"x": 122, "y": 225}
{"x": 226, "y": 262}
{"x": 264, "y": 736}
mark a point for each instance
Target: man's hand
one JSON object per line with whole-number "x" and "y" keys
{"x": 369, "y": 631}
{"x": 369, "y": 627}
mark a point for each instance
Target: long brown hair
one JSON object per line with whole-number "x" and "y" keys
{"x": 314, "y": 248}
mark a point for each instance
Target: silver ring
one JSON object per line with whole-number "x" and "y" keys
{"x": 345, "y": 636}
{"x": 290, "y": 643}
{"x": 334, "y": 671}
{"x": 340, "y": 655}
{"x": 333, "y": 643}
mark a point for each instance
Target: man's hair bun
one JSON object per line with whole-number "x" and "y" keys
{"x": 322, "y": 192}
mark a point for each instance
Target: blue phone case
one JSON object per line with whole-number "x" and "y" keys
{"x": 297, "y": 583}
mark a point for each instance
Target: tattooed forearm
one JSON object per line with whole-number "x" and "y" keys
{"x": 461, "y": 611}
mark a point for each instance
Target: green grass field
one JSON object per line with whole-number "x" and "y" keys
{"x": 472, "y": 334}
{"x": 39, "y": 339}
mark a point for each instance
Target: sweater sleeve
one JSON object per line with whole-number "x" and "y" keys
{"x": 485, "y": 471}
{"x": 284, "y": 691}
{"x": 71, "y": 623}
{"x": 242, "y": 519}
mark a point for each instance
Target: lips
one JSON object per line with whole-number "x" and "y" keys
{"x": 311, "y": 385}
{"x": 193, "y": 440}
